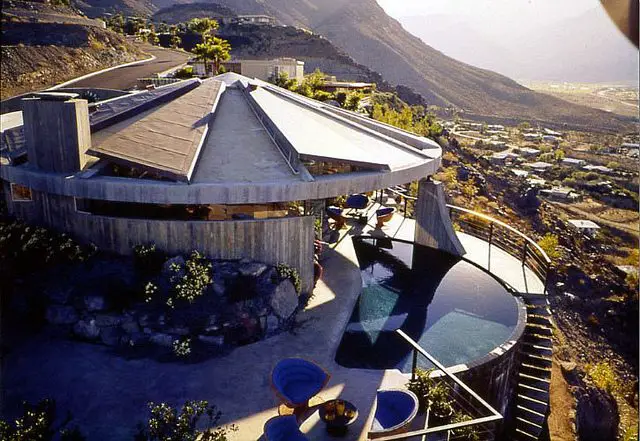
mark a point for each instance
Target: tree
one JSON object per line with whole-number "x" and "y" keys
{"x": 214, "y": 49}
{"x": 549, "y": 244}
{"x": 353, "y": 101}
{"x": 283, "y": 80}
{"x": 203, "y": 26}
{"x": 524, "y": 126}
{"x": 613, "y": 165}
{"x": 558, "y": 155}
{"x": 175, "y": 41}
{"x": 152, "y": 38}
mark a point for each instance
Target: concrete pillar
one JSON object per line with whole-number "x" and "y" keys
{"x": 57, "y": 131}
{"x": 433, "y": 225}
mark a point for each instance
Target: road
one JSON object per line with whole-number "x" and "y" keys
{"x": 125, "y": 78}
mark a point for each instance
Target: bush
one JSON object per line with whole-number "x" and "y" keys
{"x": 421, "y": 386}
{"x": 147, "y": 258}
{"x": 603, "y": 376}
{"x": 196, "y": 279}
{"x": 466, "y": 433}
{"x": 35, "y": 424}
{"x": 432, "y": 394}
{"x": 549, "y": 244}
{"x": 286, "y": 272}
{"x": 182, "y": 348}
{"x": 185, "y": 72}
{"x": 168, "y": 424}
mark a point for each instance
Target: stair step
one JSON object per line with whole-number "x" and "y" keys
{"x": 529, "y": 347}
{"x": 537, "y": 300}
{"x": 531, "y": 379}
{"x": 533, "y": 392}
{"x": 539, "y": 340}
{"x": 536, "y": 360}
{"x": 525, "y": 435}
{"x": 533, "y": 405}
{"x": 536, "y": 369}
{"x": 538, "y": 310}
{"x": 524, "y": 409}
{"x": 538, "y": 329}
{"x": 539, "y": 320}
{"x": 533, "y": 424}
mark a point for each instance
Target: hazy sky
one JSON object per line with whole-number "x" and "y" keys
{"x": 492, "y": 15}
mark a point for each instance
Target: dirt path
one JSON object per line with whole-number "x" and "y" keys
{"x": 563, "y": 407}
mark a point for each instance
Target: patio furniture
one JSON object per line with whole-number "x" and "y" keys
{"x": 283, "y": 428}
{"x": 338, "y": 415}
{"x": 384, "y": 215}
{"x": 395, "y": 410}
{"x": 296, "y": 381}
{"x": 335, "y": 213}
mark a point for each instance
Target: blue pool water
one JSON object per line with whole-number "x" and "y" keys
{"x": 453, "y": 309}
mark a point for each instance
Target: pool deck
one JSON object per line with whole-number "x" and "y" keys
{"x": 107, "y": 394}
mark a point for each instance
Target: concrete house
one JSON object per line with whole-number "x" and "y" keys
{"x": 561, "y": 194}
{"x": 211, "y": 165}
{"x": 586, "y": 227}
{"x": 573, "y": 162}
{"x": 261, "y": 69}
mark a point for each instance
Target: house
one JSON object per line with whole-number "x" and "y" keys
{"x": 520, "y": 173}
{"x": 551, "y": 139}
{"x": 264, "y": 20}
{"x": 538, "y": 166}
{"x": 552, "y": 133}
{"x": 573, "y": 162}
{"x": 533, "y": 137}
{"x": 561, "y": 194}
{"x": 536, "y": 182}
{"x": 598, "y": 168}
{"x": 262, "y": 69}
{"x": 213, "y": 165}
{"x": 528, "y": 151}
{"x": 502, "y": 158}
{"x": 496, "y": 127}
{"x": 585, "y": 227}
{"x": 332, "y": 85}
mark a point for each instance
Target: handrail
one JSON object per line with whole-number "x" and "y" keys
{"x": 495, "y": 415}
{"x": 502, "y": 224}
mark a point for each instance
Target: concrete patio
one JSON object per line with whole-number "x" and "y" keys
{"x": 108, "y": 394}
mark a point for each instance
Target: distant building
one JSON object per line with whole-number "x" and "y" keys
{"x": 532, "y": 136}
{"x": 536, "y": 182}
{"x": 495, "y": 127}
{"x": 573, "y": 162}
{"x": 502, "y": 158}
{"x": 561, "y": 194}
{"x": 552, "y": 133}
{"x": 539, "y": 166}
{"x": 598, "y": 168}
{"x": 256, "y": 20}
{"x": 332, "y": 85}
{"x": 528, "y": 151}
{"x": 261, "y": 69}
{"x": 551, "y": 139}
{"x": 520, "y": 173}
{"x": 585, "y": 227}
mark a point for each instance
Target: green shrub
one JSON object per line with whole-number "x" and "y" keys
{"x": 185, "y": 72}
{"x": 182, "y": 348}
{"x": 35, "y": 424}
{"x": 466, "y": 433}
{"x": 286, "y": 272}
{"x": 196, "y": 279}
{"x": 421, "y": 385}
{"x": 549, "y": 244}
{"x": 168, "y": 424}
{"x": 603, "y": 376}
{"x": 432, "y": 394}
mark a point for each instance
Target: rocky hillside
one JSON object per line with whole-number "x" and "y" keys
{"x": 365, "y": 32}
{"x": 39, "y": 54}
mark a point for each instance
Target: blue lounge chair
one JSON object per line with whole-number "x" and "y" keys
{"x": 395, "y": 410}
{"x": 296, "y": 381}
{"x": 283, "y": 428}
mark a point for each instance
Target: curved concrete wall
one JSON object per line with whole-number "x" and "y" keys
{"x": 286, "y": 240}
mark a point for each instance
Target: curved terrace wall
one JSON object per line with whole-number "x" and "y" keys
{"x": 287, "y": 240}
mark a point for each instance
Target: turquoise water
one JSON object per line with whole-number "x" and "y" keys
{"x": 453, "y": 309}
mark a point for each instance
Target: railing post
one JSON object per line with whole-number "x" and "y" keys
{"x": 490, "y": 242}
{"x": 414, "y": 365}
{"x": 405, "y": 207}
{"x": 524, "y": 252}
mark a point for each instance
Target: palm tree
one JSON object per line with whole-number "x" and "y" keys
{"x": 213, "y": 49}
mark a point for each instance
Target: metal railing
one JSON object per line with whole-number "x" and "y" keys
{"x": 495, "y": 232}
{"x": 482, "y": 416}
{"x": 503, "y": 236}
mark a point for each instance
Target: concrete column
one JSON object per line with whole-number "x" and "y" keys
{"x": 57, "y": 132}
{"x": 433, "y": 225}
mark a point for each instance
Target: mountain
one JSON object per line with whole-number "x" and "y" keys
{"x": 364, "y": 31}
{"x": 561, "y": 50}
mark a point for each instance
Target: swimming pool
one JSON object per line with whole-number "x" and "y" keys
{"x": 453, "y": 309}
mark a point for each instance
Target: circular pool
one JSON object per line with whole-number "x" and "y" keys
{"x": 456, "y": 311}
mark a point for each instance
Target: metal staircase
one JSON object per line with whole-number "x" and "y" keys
{"x": 534, "y": 376}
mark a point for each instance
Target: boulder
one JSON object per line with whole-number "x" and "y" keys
{"x": 138, "y": 339}
{"x": 596, "y": 415}
{"x": 178, "y": 330}
{"x": 95, "y": 303}
{"x": 61, "y": 315}
{"x": 284, "y": 300}
{"x": 130, "y": 325}
{"x": 272, "y": 324}
{"x": 252, "y": 269}
{"x": 87, "y": 330}
{"x": 160, "y": 339}
{"x": 212, "y": 340}
{"x": 108, "y": 320}
{"x": 111, "y": 336}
